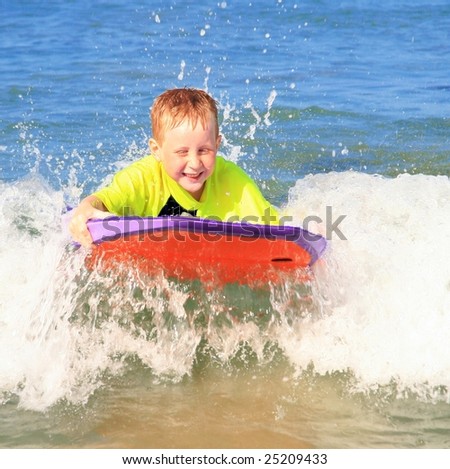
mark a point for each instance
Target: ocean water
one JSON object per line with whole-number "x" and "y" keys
{"x": 340, "y": 111}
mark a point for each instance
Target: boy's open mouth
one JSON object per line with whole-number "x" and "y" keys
{"x": 193, "y": 176}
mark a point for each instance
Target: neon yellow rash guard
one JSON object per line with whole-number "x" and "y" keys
{"x": 143, "y": 189}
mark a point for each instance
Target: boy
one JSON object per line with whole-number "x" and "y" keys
{"x": 182, "y": 175}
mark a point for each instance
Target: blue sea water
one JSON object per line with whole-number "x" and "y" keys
{"x": 342, "y": 105}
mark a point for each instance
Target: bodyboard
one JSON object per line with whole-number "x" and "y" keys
{"x": 212, "y": 251}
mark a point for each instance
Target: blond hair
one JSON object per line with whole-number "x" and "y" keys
{"x": 173, "y": 107}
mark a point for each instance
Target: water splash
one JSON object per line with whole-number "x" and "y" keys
{"x": 387, "y": 285}
{"x": 377, "y": 307}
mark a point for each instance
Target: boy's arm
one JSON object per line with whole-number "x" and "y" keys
{"x": 90, "y": 207}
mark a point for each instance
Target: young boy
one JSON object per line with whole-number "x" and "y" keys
{"x": 183, "y": 174}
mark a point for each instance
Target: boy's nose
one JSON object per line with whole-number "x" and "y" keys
{"x": 194, "y": 162}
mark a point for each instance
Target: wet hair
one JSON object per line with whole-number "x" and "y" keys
{"x": 173, "y": 107}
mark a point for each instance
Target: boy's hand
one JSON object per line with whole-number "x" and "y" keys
{"x": 90, "y": 207}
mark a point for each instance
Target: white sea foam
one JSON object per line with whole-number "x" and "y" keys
{"x": 385, "y": 290}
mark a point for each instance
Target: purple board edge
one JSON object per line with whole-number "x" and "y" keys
{"x": 114, "y": 227}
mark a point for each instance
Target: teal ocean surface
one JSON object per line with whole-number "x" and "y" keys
{"x": 335, "y": 108}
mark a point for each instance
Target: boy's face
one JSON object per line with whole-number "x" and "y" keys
{"x": 188, "y": 154}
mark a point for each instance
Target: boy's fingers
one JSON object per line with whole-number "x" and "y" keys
{"x": 85, "y": 238}
{"x": 79, "y": 231}
{"x": 78, "y": 225}
{"x": 85, "y": 242}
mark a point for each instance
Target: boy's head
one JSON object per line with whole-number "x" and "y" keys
{"x": 186, "y": 137}
{"x": 175, "y": 106}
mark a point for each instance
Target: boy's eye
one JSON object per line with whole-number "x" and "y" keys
{"x": 201, "y": 151}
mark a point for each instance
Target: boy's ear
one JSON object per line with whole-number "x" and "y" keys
{"x": 154, "y": 147}
{"x": 219, "y": 140}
